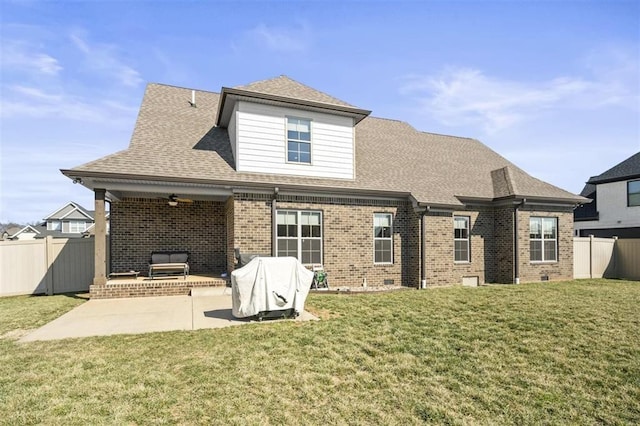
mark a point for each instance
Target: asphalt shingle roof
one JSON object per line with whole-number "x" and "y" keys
{"x": 629, "y": 168}
{"x": 285, "y": 86}
{"x": 174, "y": 140}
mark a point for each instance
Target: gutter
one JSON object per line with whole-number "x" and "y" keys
{"x": 226, "y": 91}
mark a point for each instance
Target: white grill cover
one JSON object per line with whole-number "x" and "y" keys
{"x": 269, "y": 284}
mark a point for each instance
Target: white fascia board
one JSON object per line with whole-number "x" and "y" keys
{"x": 161, "y": 188}
{"x": 61, "y": 208}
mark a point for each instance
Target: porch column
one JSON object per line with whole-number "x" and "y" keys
{"x": 100, "y": 239}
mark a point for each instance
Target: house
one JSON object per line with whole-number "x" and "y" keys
{"x": 25, "y": 233}
{"x": 615, "y": 210}
{"x": 278, "y": 168}
{"x": 69, "y": 221}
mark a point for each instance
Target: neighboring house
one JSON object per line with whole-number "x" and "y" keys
{"x": 615, "y": 210}
{"x": 278, "y": 168}
{"x": 69, "y": 221}
{"x": 72, "y": 218}
{"x": 26, "y": 233}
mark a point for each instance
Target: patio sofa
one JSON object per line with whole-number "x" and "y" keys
{"x": 169, "y": 263}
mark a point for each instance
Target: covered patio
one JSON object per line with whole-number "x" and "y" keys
{"x": 147, "y": 217}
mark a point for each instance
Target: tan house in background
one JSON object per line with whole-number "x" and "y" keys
{"x": 278, "y": 168}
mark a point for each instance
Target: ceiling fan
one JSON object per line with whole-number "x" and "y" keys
{"x": 174, "y": 200}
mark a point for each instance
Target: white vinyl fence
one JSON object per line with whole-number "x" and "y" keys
{"x": 606, "y": 258}
{"x": 50, "y": 265}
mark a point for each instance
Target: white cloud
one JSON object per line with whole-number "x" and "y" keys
{"x": 103, "y": 57}
{"x": 467, "y": 96}
{"x": 25, "y": 101}
{"x": 24, "y": 57}
{"x": 280, "y": 39}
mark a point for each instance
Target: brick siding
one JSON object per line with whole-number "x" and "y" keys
{"x": 347, "y": 236}
{"x": 211, "y": 231}
{"x": 503, "y": 246}
{"x": 140, "y": 226}
{"x": 563, "y": 268}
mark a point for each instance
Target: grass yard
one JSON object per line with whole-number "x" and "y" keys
{"x": 529, "y": 354}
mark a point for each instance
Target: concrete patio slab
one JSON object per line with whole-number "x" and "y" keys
{"x": 104, "y": 317}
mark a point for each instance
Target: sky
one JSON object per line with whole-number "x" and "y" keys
{"x": 553, "y": 86}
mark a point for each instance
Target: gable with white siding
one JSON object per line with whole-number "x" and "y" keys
{"x": 259, "y": 142}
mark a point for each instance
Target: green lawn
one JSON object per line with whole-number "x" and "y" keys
{"x": 528, "y": 354}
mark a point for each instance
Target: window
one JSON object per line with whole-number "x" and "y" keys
{"x": 299, "y": 234}
{"x": 77, "y": 226}
{"x": 298, "y": 140}
{"x": 382, "y": 238}
{"x": 54, "y": 225}
{"x": 461, "y": 238}
{"x": 543, "y": 237}
{"x": 633, "y": 193}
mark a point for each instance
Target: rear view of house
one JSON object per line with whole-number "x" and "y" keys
{"x": 278, "y": 168}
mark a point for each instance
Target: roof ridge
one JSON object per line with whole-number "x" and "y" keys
{"x": 251, "y": 87}
{"x": 449, "y": 136}
{"x": 181, "y": 87}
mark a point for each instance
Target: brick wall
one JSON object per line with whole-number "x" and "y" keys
{"x": 347, "y": 235}
{"x": 563, "y": 268}
{"x": 440, "y": 267}
{"x": 140, "y": 226}
{"x": 211, "y": 230}
{"x": 229, "y": 212}
{"x": 503, "y": 246}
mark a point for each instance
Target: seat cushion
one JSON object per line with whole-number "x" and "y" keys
{"x": 160, "y": 258}
{"x": 178, "y": 258}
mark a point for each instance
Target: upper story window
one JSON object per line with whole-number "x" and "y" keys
{"x": 298, "y": 140}
{"x": 382, "y": 238}
{"x": 54, "y": 225}
{"x": 77, "y": 226}
{"x": 461, "y": 238}
{"x": 299, "y": 234}
{"x": 633, "y": 193}
{"x": 543, "y": 238}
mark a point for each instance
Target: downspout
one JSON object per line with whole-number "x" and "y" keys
{"x": 516, "y": 257}
{"x": 423, "y": 272}
{"x": 109, "y": 237}
{"x": 274, "y": 225}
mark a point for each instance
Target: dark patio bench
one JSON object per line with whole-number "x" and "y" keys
{"x": 168, "y": 263}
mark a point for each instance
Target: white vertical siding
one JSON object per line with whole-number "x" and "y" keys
{"x": 232, "y": 133}
{"x": 261, "y": 145}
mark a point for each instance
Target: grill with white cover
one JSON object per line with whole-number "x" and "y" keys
{"x": 270, "y": 287}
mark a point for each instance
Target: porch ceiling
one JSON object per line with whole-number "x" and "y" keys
{"x": 134, "y": 188}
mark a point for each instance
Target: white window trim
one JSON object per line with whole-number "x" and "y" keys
{"x": 543, "y": 239}
{"x": 299, "y": 238}
{"x": 390, "y": 238}
{"x": 468, "y": 239}
{"x": 286, "y": 140}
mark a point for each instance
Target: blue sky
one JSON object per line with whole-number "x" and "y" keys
{"x": 552, "y": 86}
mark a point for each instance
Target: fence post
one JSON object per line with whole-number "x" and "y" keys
{"x": 48, "y": 245}
{"x": 614, "y": 255}
{"x": 591, "y": 256}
